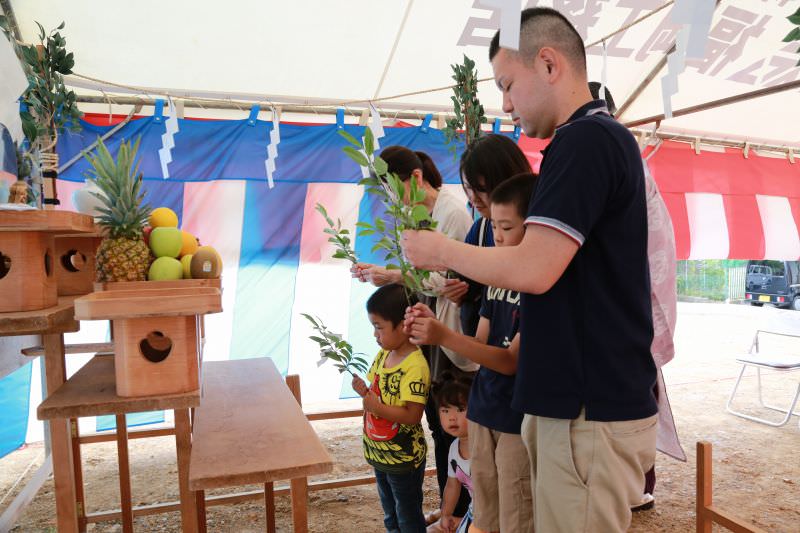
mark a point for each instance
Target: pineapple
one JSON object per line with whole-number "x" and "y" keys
{"x": 123, "y": 254}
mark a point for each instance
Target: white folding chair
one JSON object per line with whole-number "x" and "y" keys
{"x": 780, "y": 324}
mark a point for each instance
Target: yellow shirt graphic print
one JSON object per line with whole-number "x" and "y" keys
{"x": 390, "y": 446}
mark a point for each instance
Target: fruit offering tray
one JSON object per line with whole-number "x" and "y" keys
{"x": 215, "y": 283}
{"x": 149, "y": 302}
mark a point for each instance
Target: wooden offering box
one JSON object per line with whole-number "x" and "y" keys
{"x": 75, "y": 263}
{"x": 28, "y": 260}
{"x": 155, "y": 335}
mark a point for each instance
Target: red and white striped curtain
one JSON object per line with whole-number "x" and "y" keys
{"x": 723, "y": 205}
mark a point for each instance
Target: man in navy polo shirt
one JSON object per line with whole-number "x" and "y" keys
{"x": 585, "y": 375}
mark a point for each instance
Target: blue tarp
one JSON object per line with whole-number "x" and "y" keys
{"x": 225, "y": 150}
{"x": 14, "y": 400}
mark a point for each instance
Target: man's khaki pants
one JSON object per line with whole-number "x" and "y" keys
{"x": 501, "y": 483}
{"x": 584, "y": 474}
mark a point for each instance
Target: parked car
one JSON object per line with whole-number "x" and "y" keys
{"x": 773, "y": 282}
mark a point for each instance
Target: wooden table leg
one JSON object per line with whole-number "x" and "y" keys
{"x": 200, "y": 498}
{"x": 124, "y": 474}
{"x": 80, "y": 497}
{"x": 704, "y": 497}
{"x": 60, "y": 439}
{"x": 183, "y": 445}
{"x": 299, "y": 490}
{"x": 269, "y": 506}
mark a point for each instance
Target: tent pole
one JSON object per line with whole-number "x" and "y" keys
{"x": 322, "y": 110}
{"x": 208, "y": 99}
{"x": 743, "y": 97}
{"x": 5, "y": 7}
{"x": 79, "y": 156}
{"x": 645, "y": 83}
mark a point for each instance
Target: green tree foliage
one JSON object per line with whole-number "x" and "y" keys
{"x": 467, "y": 108}
{"x": 50, "y": 105}
{"x": 332, "y": 347}
{"x": 794, "y": 35}
{"x": 339, "y": 237}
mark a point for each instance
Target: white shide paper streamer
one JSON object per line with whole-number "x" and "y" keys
{"x": 168, "y": 139}
{"x": 509, "y": 20}
{"x": 272, "y": 148}
{"x": 377, "y": 132}
{"x": 690, "y": 43}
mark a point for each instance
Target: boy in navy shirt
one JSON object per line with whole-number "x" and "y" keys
{"x": 502, "y": 496}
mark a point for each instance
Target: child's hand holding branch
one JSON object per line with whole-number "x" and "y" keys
{"x": 371, "y": 402}
{"x": 359, "y": 386}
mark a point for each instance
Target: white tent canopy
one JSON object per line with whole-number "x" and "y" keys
{"x": 353, "y": 51}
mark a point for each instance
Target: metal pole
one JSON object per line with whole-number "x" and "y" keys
{"x": 743, "y": 97}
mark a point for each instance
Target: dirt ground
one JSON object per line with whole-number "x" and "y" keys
{"x": 756, "y": 467}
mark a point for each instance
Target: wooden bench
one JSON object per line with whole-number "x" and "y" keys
{"x": 250, "y": 428}
{"x": 91, "y": 391}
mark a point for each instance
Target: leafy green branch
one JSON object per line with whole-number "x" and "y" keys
{"x": 339, "y": 237}
{"x": 467, "y": 108}
{"x": 405, "y": 208}
{"x": 794, "y": 35}
{"x": 50, "y": 105}
{"x": 334, "y": 348}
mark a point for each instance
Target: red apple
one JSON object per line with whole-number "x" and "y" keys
{"x": 146, "y": 231}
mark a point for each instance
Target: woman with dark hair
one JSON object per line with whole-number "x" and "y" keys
{"x": 453, "y": 220}
{"x": 486, "y": 163}
{"x": 451, "y": 217}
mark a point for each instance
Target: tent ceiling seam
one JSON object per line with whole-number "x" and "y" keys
{"x": 394, "y": 48}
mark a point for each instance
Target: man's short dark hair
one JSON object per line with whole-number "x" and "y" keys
{"x": 516, "y": 191}
{"x": 389, "y": 302}
{"x": 543, "y": 26}
{"x": 594, "y": 88}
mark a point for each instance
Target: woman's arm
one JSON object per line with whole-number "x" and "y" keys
{"x": 377, "y": 275}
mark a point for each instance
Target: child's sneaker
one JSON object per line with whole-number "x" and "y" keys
{"x": 648, "y": 502}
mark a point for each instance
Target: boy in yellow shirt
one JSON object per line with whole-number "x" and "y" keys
{"x": 394, "y": 401}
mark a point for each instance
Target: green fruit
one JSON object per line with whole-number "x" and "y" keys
{"x": 186, "y": 263}
{"x": 165, "y": 268}
{"x": 206, "y": 264}
{"x": 166, "y": 242}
